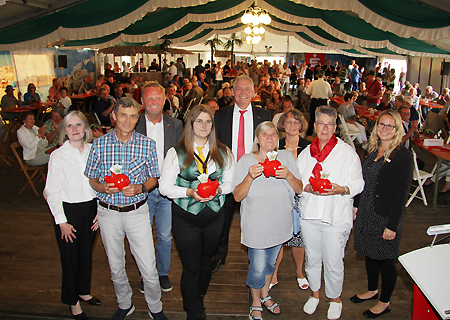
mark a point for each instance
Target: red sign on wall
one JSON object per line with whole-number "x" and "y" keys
{"x": 315, "y": 58}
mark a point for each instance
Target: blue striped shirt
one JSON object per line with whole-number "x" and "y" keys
{"x": 137, "y": 157}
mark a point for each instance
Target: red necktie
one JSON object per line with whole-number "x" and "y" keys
{"x": 241, "y": 141}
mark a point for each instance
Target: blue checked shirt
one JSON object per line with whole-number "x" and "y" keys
{"x": 137, "y": 157}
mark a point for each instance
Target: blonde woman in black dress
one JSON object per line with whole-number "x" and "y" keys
{"x": 387, "y": 173}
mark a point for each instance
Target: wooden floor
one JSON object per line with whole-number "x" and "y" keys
{"x": 30, "y": 271}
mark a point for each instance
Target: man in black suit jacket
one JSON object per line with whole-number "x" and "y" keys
{"x": 227, "y": 130}
{"x": 165, "y": 131}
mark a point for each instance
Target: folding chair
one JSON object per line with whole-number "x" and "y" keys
{"x": 419, "y": 176}
{"x": 187, "y": 109}
{"x": 347, "y": 135}
{"x": 37, "y": 170}
{"x": 303, "y": 104}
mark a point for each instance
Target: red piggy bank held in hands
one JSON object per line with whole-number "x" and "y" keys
{"x": 207, "y": 189}
{"x": 319, "y": 184}
{"x": 120, "y": 180}
{"x": 270, "y": 167}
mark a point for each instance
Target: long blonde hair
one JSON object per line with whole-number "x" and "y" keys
{"x": 375, "y": 141}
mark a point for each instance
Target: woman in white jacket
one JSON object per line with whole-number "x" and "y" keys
{"x": 72, "y": 203}
{"x": 33, "y": 141}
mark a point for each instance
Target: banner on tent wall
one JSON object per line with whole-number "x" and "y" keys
{"x": 315, "y": 58}
{"x": 80, "y": 63}
{"x": 7, "y": 75}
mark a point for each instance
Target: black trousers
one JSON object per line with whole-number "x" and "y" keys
{"x": 312, "y": 112}
{"x": 388, "y": 277}
{"x": 228, "y": 211}
{"x": 76, "y": 256}
{"x": 196, "y": 238}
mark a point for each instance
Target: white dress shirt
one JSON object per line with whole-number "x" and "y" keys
{"x": 248, "y": 130}
{"x": 29, "y": 141}
{"x": 156, "y": 133}
{"x": 171, "y": 169}
{"x": 66, "y": 181}
{"x": 319, "y": 89}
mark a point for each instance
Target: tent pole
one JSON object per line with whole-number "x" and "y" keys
{"x": 15, "y": 71}
{"x": 429, "y": 74}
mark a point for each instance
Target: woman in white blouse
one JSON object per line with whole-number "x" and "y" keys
{"x": 33, "y": 141}
{"x": 196, "y": 222}
{"x": 72, "y": 203}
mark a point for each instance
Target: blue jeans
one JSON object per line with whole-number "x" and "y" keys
{"x": 161, "y": 208}
{"x": 262, "y": 264}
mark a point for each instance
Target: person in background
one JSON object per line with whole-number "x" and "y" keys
{"x": 378, "y": 210}
{"x": 287, "y": 105}
{"x": 430, "y": 94}
{"x": 65, "y": 101}
{"x": 338, "y": 87}
{"x": 390, "y": 81}
{"x": 203, "y": 82}
{"x": 100, "y": 82}
{"x": 104, "y": 106}
{"x": 53, "y": 91}
{"x": 219, "y": 76}
{"x": 213, "y": 105}
{"x": 31, "y": 95}
{"x": 197, "y": 222}
{"x": 116, "y": 67}
{"x": 265, "y": 89}
{"x": 348, "y": 112}
{"x": 293, "y": 123}
{"x": 108, "y": 70}
{"x": 320, "y": 91}
{"x": 8, "y": 103}
{"x": 275, "y": 103}
{"x": 33, "y": 141}
{"x": 226, "y": 99}
{"x": 87, "y": 86}
{"x": 74, "y": 208}
{"x": 386, "y": 101}
{"x": 374, "y": 90}
{"x": 266, "y": 213}
{"x": 52, "y": 125}
{"x": 118, "y": 93}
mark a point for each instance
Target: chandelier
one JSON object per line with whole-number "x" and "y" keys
{"x": 254, "y": 18}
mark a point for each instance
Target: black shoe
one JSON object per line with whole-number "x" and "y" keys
{"x": 157, "y": 316}
{"x": 92, "y": 301}
{"x": 80, "y": 316}
{"x": 355, "y": 298}
{"x": 121, "y": 314}
{"x": 200, "y": 309}
{"x": 165, "y": 284}
{"x": 141, "y": 286}
{"x": 216, "y": 265}
{"x": 370, "y": 314}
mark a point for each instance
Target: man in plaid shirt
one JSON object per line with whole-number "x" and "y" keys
{"x": 125, "y": 212}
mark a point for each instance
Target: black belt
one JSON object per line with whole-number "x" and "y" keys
{"x": 128, "y": 208}
{"x": 318, "y": 99}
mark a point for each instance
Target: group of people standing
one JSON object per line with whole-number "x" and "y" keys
{"x": 229, "y": 147}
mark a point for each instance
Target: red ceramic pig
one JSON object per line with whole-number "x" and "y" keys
{"x": 120, "y": 180}
{"x": 270, "y": 166}
{"x": 320, "y": 184}
{"x": 207, "y": 189}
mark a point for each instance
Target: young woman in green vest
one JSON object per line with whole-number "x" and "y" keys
{"x": 196, "y": 222}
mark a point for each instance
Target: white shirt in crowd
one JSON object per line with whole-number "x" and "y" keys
{"x": 66, "y": 181}
{"x": 66, "y": 103}
{"x": 156, "y": 133}
{"x": 29, "y": 141}
{"x": 319, "y": 89}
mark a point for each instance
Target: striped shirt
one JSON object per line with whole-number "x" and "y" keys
{"x": 137, "y": 157}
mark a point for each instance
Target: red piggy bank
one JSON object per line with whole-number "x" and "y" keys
{"x": 120, "y": 180}
{"x": 207, "y": 189}
{"x": 319, "y": 185}
{"x": 270, "y": 167}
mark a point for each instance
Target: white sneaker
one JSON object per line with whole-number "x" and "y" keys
{"x": 311, "y": 305}
{"x": 334, "y": 310}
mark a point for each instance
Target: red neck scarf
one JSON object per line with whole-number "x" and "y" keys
{"x": 320, "y": 155}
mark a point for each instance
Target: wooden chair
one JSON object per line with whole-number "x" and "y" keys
{"x": 38, "y": 172}
{"x": 419, "y": 176}
{"x": 3, "y": 155}
{"x": 347, "y": 135}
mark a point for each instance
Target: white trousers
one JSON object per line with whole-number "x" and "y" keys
{"x": 135, "y": 225}
{"x": 442, "y": 173}
{"x": 358, "y": 127}
{"x": 324, "y": 244}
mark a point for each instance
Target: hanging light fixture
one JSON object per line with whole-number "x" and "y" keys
{"x": 254, "y": 17}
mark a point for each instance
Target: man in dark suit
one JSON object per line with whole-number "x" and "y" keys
{"x": 228, "y": 123}
{"x": 165, "y": 131}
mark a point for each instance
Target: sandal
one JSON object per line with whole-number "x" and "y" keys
{"x": 271, "y": 285}
{"x": 301, "y": 282}
{"x": 252, "y": 308}
{"x": 272, "y": 307}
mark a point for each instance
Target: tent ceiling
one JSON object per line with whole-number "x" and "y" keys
{"x": 367, "y": 26}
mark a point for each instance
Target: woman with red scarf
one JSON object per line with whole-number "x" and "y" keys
{"x": 327, "y": 216}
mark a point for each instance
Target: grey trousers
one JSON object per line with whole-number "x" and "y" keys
{"x": 135, "y": 225}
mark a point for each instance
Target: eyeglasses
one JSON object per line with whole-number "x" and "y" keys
{"x": 208, "y": 123}
{"x": 323, "y": 125}
{"x": 292, "y": 123}
{"x": 389, "y": 127}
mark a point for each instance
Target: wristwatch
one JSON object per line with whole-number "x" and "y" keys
{"x": 144, "y": 188}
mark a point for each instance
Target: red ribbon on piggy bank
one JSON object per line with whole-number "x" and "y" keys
{"x": 320, "y": 183}
{"x": 208, "y": 188}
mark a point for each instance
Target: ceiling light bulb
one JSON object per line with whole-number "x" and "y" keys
{"x": 248, "y": 30}
{"x": 261, "y": 30}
